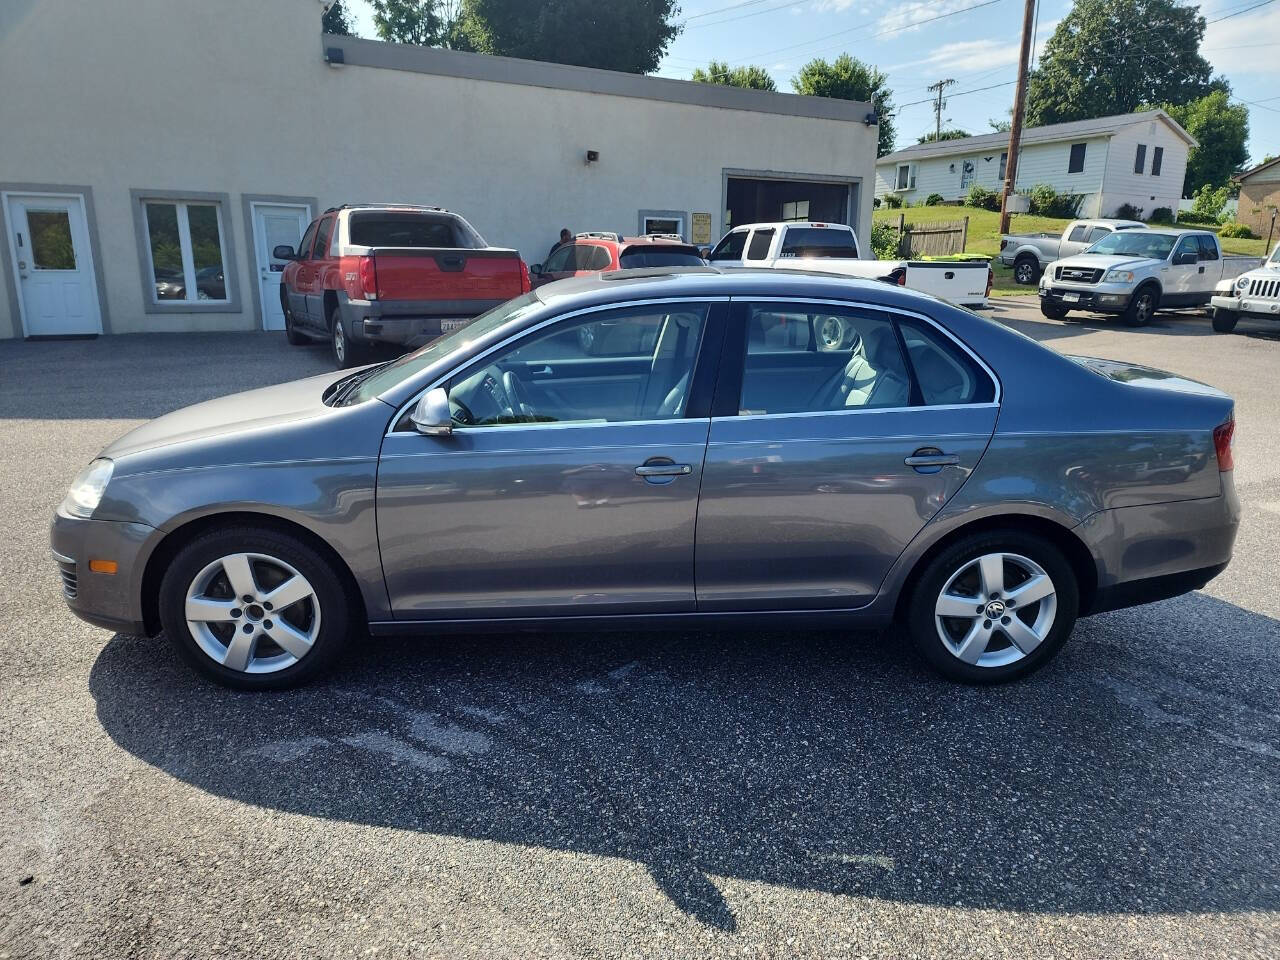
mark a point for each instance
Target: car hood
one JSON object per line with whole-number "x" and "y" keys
{"x": 1107, "y": 262}
{"x": 237, "y": 414}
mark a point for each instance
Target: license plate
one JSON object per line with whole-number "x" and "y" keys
{"x": 1071, "y": 298}
{"x": 448, "y": 326}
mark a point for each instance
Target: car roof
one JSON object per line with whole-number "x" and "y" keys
{"x": 680, "y": 282}
{"x": 815, "y": 224}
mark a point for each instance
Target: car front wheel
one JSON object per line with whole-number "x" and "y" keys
{"x": 1224, "y": 321}
{"x": 1142, "y": 307}
{"x": 993, "y": 607}
{"x": 254, "y": 609}
{"x": 1052, "y": 310}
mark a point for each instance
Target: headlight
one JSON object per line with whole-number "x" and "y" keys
{"x": 1119, "y": 276}
{"x": 1242, "y": 282}
{"x": 87, "y": 489}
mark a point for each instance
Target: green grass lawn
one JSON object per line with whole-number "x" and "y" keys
{"x": 984, "y": 231}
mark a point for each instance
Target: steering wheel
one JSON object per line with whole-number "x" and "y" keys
{"x": 460, "y": 413}
{"x": 517, "y": 396}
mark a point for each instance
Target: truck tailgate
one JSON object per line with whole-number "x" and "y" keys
{"x": 959, "y": 281}
{"x": 430, "y": 273}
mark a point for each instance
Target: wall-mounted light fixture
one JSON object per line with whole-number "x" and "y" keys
{"x": 871, "y": 119}
{"x": 334, "y": 56}
{"x": 592, "y": 156}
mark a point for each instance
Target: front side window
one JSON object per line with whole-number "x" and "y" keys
{"x": 185, "y": 245}
{"x": 321, "y": 249}
{"x": 1140, "y": 158}
{"x": 1187, "y": 246}
{"x": 560, "y": 259}
{"x": 730, "y": 246}
{"x": 1097, "y": 233}
{"x": 1075, "y": 164}
{"x": 761, "y": 240}
{"x": 802, "y": 359}
{"x": 634, "y": 363}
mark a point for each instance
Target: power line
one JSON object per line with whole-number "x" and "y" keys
{"x": 753, "y": 13}
{"x": 1238, "y": 12}
{"x": 732, "y": 6}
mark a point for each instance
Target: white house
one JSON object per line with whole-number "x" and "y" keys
{"x": 212, "y": 127}
{"x": 1134, "y": 158}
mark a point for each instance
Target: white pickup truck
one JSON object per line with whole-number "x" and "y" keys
{"x": 834, "y": 248}
{"x": 1136, "y": 272}
{"x": 1030, "y": 253}
{"x": 1253, "y": 295}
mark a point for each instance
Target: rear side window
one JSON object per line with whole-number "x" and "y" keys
{"x": 1078, "y": 232}
{"x": 944, "y": 372}
{"x": 761, "y": 240}
{"x": 818, "y": 242}
{"x": 659, "y": 256}
{"x": 730, "y": 246}
{"x": 394, "y": 229}
{"x": 1208, "y": 249}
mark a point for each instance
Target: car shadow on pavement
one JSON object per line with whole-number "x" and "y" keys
{"x": 1127, "y": 777}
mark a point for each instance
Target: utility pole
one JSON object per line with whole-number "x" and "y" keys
{"x": 938, "y": 105}
{"x": 1019, "y": 109}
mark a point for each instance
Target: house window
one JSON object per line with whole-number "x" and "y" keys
{"x": 1157, "y": 158}
{"x": 1004, "y": 163}
{"x": 1140, "y": 158}
{"x": 184, "y": 246}
{"x": 1076, "y": 163}
{"x": 905, "y": 181}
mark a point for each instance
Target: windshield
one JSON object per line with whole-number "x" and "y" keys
{"x": 382, "y": 378}
{"x": 1275, "y": 256}
{"x": 1135, "y": 243}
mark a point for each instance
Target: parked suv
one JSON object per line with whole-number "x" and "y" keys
{"x": 599, "y": 251}
{"x": 391, "y": 273}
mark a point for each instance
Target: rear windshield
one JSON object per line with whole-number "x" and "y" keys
{"x": 659, "y": 256}
{"x": 1135, "y": 243}
{"x": 407, "y": 229}
{"x": 818, "y": 242}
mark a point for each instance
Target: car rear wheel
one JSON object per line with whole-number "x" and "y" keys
{"x": 1026, "y": 270}
{"x": 290, "y": 332}
{"x": 346, "y": 352}
{"x": 1052, "y": 310}
{"x": 1142, "y": 307}
{"x": 1224, "y": 321}
{"x": 993, "y": 607}
{"x": 254, "y": 609}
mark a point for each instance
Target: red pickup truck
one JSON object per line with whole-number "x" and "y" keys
{"x": 366, "y": 274}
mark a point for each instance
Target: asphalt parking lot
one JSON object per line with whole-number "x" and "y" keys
{"x": 633, "y": 795}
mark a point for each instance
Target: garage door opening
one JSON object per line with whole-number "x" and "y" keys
{"x": 752, "y": 200}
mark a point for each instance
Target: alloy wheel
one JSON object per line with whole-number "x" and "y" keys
{"x": 339, "y": 344}
{"x": 252, "y": 613}
{"x": 1142, "y": 309}
{"x": 1024, "y": 273}
{"x": 996, "y": 609}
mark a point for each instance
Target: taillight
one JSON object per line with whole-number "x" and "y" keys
{"x": 525, "y": 283}
{"x": 359, "y": 278}
{"x": 368, "y": 278}
{"x": 991, "y": 279}
{"x": 1223, "y": 436}
{"x": 900, "y": 276}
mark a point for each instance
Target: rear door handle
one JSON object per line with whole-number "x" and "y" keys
{"x": 931, "y": 460}
{"x": 664, "y": 470}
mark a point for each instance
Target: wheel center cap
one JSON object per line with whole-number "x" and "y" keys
{"x": 995, "y": 609}
{"x": 254, "y": 612}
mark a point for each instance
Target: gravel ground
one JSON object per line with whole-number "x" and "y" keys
{"x": 633, "y": 795}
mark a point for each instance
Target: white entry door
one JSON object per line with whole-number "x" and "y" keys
{"x": 49, "y": 242}
{"x": 275, "y": 224}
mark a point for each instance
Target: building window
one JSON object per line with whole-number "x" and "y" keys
{"x": 905, "y": 178}
{"x": 1157, "y": 158}
{"x": 1076, "y": 163}
{"x": 1140, "y": 158}
{"x": 185, "y": 249}
{"x": 1004, "y": 164}
{"x": 795, "y": 210}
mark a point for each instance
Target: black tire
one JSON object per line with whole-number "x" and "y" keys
{"x": 1142, "y": 306}
{"x": 1026, "y": 270}
{"x": 346, "y": 351}
{"x": 923, "y": 623}
{"x": 1053, "y": 311}
{"x": 290, "y": 332}
{"x": 329, "y": 602}
{"x": 1224, "y": 321}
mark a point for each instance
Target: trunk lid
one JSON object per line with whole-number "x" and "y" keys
{"x": 442, "y": 273}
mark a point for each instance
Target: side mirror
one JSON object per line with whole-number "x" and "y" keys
{"x": 431, "y": 416}
{"x": 1183, "y": 259}
{"x": 283, "y": 252}
{"x": 536, "y": 269}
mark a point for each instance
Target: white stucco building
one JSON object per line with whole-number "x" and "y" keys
{"x": 1135, "y": 158}
{"x": 151, "y": 153}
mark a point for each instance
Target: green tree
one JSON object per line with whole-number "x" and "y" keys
{"x": 847, "y": 78}
{"x": 1222, "y": 129}
{"x": 932, "y": 136}
{"x": 631, "y": 36}
{"x": 752, "y": 77}
{"x": 1110, "y": 56}
{"x": 410, "y": 21}
{"x": 1001, "y": 126}
{"x": 337, "y": 20}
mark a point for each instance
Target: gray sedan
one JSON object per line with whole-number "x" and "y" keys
{"x": 760, "y": 446}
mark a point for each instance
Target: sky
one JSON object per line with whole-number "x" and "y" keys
{"x": 974, "y": 42}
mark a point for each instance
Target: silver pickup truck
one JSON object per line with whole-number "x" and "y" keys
{"x": 1136, "y": 272}
{"x": 1030, "y": 253}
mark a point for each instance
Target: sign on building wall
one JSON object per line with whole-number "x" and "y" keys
{"x": 701, "y": 229}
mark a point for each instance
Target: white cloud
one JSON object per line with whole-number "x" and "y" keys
{"x": 971, "y": 56}
{"x": 1244, "y": 44}
{"x": 906, "y": 19}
